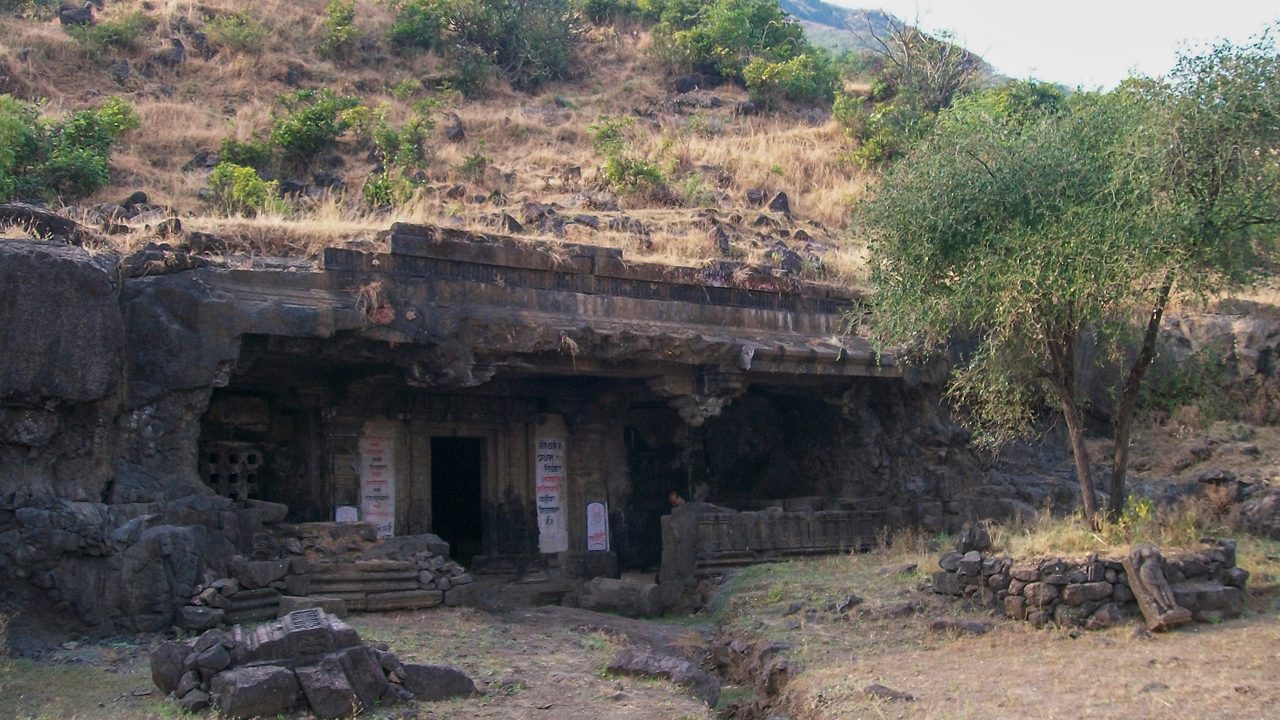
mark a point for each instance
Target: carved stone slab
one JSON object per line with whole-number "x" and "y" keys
{"x": 1144, "y": 566}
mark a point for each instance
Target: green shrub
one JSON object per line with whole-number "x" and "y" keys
{"x": 251, "y": 153}
{"x": 531, "y": 42}
{"x": 241, "y": 189}
{"x": 312, "y": 121}
{"x": 624, "y": 171}
{"x": 387, "y": 189}
{"x": 339, "y": 25}
{"x": 723, "y": 36}
{"x": 475, "y": 164}
{"x": 808, "y": 78}
{"x": 472, "y": 70}
{"x": 41, "y": 158}
{"x": 418, "y": 24}
{"x": 121, "y": 32}
{"x": 239, "y": 31}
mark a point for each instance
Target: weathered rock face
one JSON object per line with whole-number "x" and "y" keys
{"x": 62, "y": 327}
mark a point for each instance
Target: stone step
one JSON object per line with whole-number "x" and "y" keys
{"x": 410, "y": 600}
{"x": 364, "y": 566}
{"x": 339, "y": 577}
{"x": 366, "y": 586}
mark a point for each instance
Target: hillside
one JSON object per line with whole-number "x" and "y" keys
{"x": 838, "y": 28}
{"x": 197, "y": 77}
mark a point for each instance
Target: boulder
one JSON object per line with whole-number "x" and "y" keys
{"x": 249, "y": 692}
{"x": 168, "y": 666}
{"x": 780, "y": 203}
{"x": 437, "y": 682}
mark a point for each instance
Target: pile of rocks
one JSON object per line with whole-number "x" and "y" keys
{"x": 407, "y": 573}
{"x": 308, "y": 660}
{"x": 1204, "y": 585}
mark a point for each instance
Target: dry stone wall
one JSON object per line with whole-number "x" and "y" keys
{"x": 1096, "y": 592}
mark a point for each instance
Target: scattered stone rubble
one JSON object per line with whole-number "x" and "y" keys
{"x": 307, "y": 660}
{"x": 1204, "y": 585}
{"x": 404, "y": 573}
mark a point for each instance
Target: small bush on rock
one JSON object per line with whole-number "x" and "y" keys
{"x": 241, "y": 189}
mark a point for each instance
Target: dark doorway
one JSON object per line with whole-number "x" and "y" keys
{"x": 457, "y": 471}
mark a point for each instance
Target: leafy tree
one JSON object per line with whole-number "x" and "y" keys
{"x": 531, "y": 42}
{"x": 1040, "y": 227}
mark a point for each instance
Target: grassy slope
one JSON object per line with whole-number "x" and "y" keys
{"x": 1015, "y": 670}
{"x": 528, "y": 140}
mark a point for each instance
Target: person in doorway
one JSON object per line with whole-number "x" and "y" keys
{"x": 676, "y": 500}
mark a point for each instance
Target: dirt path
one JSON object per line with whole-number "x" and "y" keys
{"x": 531, "y": 663}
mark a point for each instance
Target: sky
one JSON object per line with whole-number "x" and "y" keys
{"x": 1083, "y": 43}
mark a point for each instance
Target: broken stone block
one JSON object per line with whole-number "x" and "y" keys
{"x": 196, "y": 618}
{"x": 945, "y": 583}
{"x": 1105, "y": 616}
{"x": 1040, "y": 594}
{"x": 1079, "y": 594}
{"x": 249, "y": 692}
{"x": 364, "y": 673}
{"x": 970, "y": 563}
{"x": 328, "y": 692}
{"x": 437, "y": 682}
{"x": 212, "y": 661}
{"x": 1016, "y": 607}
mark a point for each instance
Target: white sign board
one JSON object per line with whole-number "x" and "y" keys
{"x": 553, "y": 532}
{"x": 346, "y": 514}
{"x": 597, "y": 527}
{"x": 378, "y": 481}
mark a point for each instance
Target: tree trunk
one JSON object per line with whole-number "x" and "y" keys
{"x": 1084, "y": 471}
{"x": 1123, "y": 417}
{"x": 1063, "y": 360}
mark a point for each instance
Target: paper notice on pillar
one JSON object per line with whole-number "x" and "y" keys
{"x": 378, "y": 482}
{"x": 553, "y": 532}
{"x": 597, "y": 527}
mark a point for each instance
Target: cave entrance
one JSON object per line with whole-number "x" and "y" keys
{"x": 457, "y": 479}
